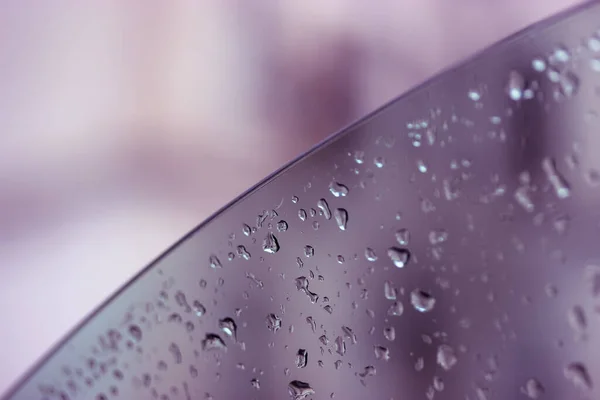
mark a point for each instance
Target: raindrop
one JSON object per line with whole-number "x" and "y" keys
{"x": 295, "y": 199}
{"x": 533, "y": 389}
{"x": 309, "y": 251}
{"x": 389, "y": 333}
{"x": 338, "y": 190}
{"x": 396, "y": 309}
{"x": 403, "y": 237}
{"x": 255, "y": 383}
{"x": 359, "y": 157}
{"x": 328, "y": 308}
{"x": 135, "y": 332}
{"x": 341, "y": 218}
{"x": 182, "y": 301}
{"x": 299, "y": 390}
{"x": 301, "y": 358}
{"x": 242, "y": 252}
{"x": 213, "y": 342}
{"x": 229, "y": 327}
{"x": 446, "y": 357}
{"x": 561, "y": 188}
{"x": 368, "y": 371}
{"x": 324, "y": 207}
{"x": 273, "y": 322}
{"x": 382, "y": 353}
{"x": 474, "y": 95}
{"x": 370, "y": 254}
{"x": 270, "y": 244}
{"x": 522, "y": 197}
{"x": 176, "y": 353}
{"x": 421, "y": 166}
{"x": 438, "y": 383}
{"x": 577, "y": 319}
{"x": 438, "y": 236}
{"x": 246, "y": 230}
{"x": 348, "y": 333}
{"x": 214, "y": 262}
{"x": 578, "y": 374}
{"x": 422, "y": 301}
{"x": 199, "y": 309}
{"x": 560, "y": 55}
{"x": 282, "y": 226}
{"x": 419, "y": 364}
{"x": 538, "y": 64}
{"x": 516, "y": 85}
{"x": 400, "y": 257}
{"x": 389, "y": 290}
{"x": 340, "y": 346}
{"x": 593, "y": 44}
{"x": 379, "y": 162}
{"x": 302, "y": 214}
{"x": 324, "y": 340}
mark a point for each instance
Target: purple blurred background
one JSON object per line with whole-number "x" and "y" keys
{"x": 126, "y": 123}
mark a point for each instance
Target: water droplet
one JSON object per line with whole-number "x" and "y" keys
{"x": 577, "y": 319}
{"x": 516, "y": 85}
{"x": 242, "y": 252}
{"x": 324, "y": 340}
{"x": 421, "y": 166}
{"x": 422, "y": 301}
{"x": 370, "y": 254}
{"x": 595, "y": 64}
{"x": 136, "y": 332}
{"x": 301, "y": 358}
{"x": 400, "y": 257}
{"x": 328, "y": 308}
{"x": 324, "y": 207}
{"x": 368, "y": 371}
{"x": 419, "y": 364}
{"x": 561, "y": 188}
{"x": 389, "y": 290}
{"x": 538, "y": 64}
{"x": 282, "y": 226}
{"x": 560, "y": 55}
{"x": 474, "y": 95}
{"x": 295, "y": 199}
{"x": 340, "y": 346}
{"x": 438, "y": 236}
{"x": 533, "y": 389}
{"x": 446, "y": 357}
{"x": 593, "y": 44}
{"x": 255, "y": 383}
{"x": 273, "y": 322}
{"x": 396, "y": 309}
{"x": 359, "y": 157}
{"x": 302, "y": 285}
{"x": 382, "y": 353}
{"x": 578, "y": 374}
{"x": 341, "y": 218}
{"x": 176, "y": 353}
{"x": 338, "y": 190}
{"x": 213, "y": 342}
{"x": 229, "y": 327}
{"x": 438, "y": 383}
{"x": 389, "y": 333}
{"x": 379, "y": 162}
{"x": 246, "y": 230}
{"x": 299, "y": 390}
{"x": 309, "y": 251}
{"x": 403, "y": 237}
{"x": 214, "y": 262}
{"x": 523, "y": 199}
{"x": 302, "y": 214}
{"x": 270, "y": 244}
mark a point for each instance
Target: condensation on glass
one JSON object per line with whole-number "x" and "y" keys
{"x": 448, "y": 246}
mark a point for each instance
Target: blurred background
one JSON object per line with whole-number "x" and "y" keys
{"x": 123, "y": 124}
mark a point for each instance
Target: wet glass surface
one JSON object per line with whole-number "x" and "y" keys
{"x": 444, "y": 247}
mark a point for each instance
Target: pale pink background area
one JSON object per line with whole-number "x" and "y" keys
{"x": 123, "y": 124}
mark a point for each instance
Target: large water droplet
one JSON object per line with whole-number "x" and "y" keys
{"x": 229, "y": 327}
{"x": 299, "y": 390}
{"x": 273, "y": 322}
{"x": 341, "y": 218}
{"x": 446, "y": 357}
{"x": 213, "y": 341}
{"x": 559, "y": 184}
{"x": 422, "y": 301}
{"x": 338, "y": 190}
{"x": 324, "y": 207}
{"x": 301, "y": 358}
{"x": 270, "y": 244}
{"x": 396, "y": 309}
{"x": 400, "y": 257}
{"x": 533, "y": 389}
{"x": 214, "y": 262}
{"x": 578, "y": 374}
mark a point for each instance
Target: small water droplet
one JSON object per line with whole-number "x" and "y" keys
{"x": 578, "y": 374}
{"x": 136, "y": 332}
{"x": 533, "y": 389}
{"x": 538, "y": 64}
{"x": 523, "y": 199}
{"x": 341, "y": 218}
{"x": 438, "y": 236}
{"x": 199, "y": 309}
{"x": 382, "y": 353}
{"x": 255, "y": 383}
{"x": 560, "y": 55}
{"x": 273, "y": 322}
{"x": 340, "y": 346}
{"x": 229, "y": 327}
{"x": 419, "y": 364}
{"x": 370, "y": 254}
{"x": 242, "y": 252}
{"x": 446, "y": 357}
{"x": 295, "y": 199}
{"x": 282, "y": 226}
{"x": 309, "y": 251}
{"x": 389, "y": 333}
{"x": 324, "y": 207}
{"x": 270, "y": 244}
{"x": 516, "y": 85}
{"x": 359, "y": 157}
{"x": 214, "y": 262}
{"x": 338, "y": 190}
{"x": 561, "y": 188}
{"x": 421, "y": 166}
{"x": 422, "y": 301}
{"x": 302, "y": 214}
{"x": 389, "y": 290}
{"x": 246, "y": 230}
{"x": 299, "y": 390}
{"x": 379, "y": 162}
{"x": 396, "y": 309}
{"x": 176, "y": 353}
{"x": 400, "y": 257}
{"x": 403, "y": 237}
{"x": 577, "y": 319}
{"x": 213, "y": 341}
{"x": 474, "y": 95}
{"x": 368, "y": 371}
{"x": 301, "y": 358}
{"x": 593, "y": 44}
